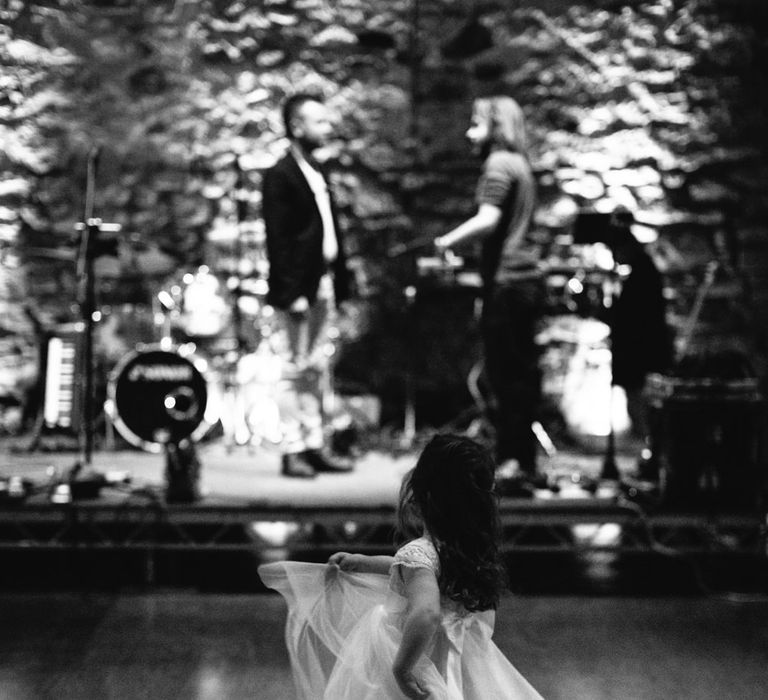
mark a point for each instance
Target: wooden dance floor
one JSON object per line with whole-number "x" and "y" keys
{"x": 591, "y": 616}
{"x": 187, "y": 646}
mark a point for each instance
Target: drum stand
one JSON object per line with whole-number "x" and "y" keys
{"x": 238, "y": 430}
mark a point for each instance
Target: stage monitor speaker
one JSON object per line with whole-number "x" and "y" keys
{"x": 707, "y": 434}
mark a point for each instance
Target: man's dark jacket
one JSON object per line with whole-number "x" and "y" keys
{"x": 294, "y": 231}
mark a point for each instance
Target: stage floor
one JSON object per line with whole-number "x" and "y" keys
{"x": 250, "y": 513}
{"x": 248, "y": 507}
{"x": 251, "y": 475}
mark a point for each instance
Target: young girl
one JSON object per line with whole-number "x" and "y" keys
{"x": 419, "y": 624}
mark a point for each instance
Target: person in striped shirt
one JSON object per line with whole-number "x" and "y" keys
{"x": 513, "y": 280}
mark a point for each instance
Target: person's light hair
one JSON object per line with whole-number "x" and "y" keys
{"x": 506, "y": 122}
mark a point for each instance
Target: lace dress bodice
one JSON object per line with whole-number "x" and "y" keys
{"x": 416, "y": 554}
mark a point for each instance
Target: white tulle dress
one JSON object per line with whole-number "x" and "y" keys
{"x": 344, "y": 629}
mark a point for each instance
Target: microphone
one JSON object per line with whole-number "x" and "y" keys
{"x": 94, "y": 156}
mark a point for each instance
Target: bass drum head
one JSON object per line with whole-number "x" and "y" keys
{"x": 156, "y": 396}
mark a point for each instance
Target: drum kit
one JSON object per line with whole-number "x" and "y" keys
{"x": 575, "y": 356}
{"x": 216, "y": 359}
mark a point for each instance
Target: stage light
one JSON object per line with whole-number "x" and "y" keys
{"x": 608, "y": 535}
{"x": 166, "y": 300}
{"x": 61, "y": 494}
{"x": 597, "y": 534}
{"x": 248, "y": 305}
{"x": 210, "y": 683}
{"x": 575, "y": 285}
{"x": 273, "y": 533}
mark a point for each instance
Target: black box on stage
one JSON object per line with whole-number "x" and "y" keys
{"x": 708, "y": 437}
{"x": 599, "y": 227}
{"x": 591, "y": 227}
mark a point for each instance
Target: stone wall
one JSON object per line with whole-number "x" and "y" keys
{"x": 655, "y": 105}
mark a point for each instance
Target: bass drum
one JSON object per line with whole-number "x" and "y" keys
{"x": 156, "y": 396}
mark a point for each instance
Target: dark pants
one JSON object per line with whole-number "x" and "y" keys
{"x": 511, "y": 314}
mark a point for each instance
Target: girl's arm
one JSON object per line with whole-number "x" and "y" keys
{"x": 421, "y": 620}
{"x": 480, "y": 224}
{"x": 361, "y": 563}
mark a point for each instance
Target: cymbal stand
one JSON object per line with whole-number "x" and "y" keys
{"x": 409, "y": 411}
{"x": 241, "y": 209}
{"x": 610, "y": 470}
{"x": 237, "y": 430}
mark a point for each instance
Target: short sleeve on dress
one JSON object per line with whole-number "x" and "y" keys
{"x": 418, "y": 554}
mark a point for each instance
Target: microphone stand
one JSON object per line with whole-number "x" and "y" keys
{"x": 238, "y": 431}
{"x": 241, "y": 209}
{"x": 409, "y": 408}
{"x": 89, "y": 230}
{"x": 610, "y": 471}
{"x": 409, "y": 295}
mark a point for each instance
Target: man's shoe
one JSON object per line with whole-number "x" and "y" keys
{"x": 325, "y": 463}
{"x": 296, "y": 465}
{"x": 535, "y": 479}
{"x": 513, "y": 487}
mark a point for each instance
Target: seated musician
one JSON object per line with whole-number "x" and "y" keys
{"x": 641, "y": 341}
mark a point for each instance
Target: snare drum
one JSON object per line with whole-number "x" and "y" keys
{"x": 157, "y": 396}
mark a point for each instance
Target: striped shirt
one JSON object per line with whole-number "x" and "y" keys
{"x": 507, "y": 182}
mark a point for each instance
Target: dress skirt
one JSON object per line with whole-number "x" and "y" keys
{"x": 343, "y": 632}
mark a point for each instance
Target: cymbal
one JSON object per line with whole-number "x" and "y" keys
{"x": 154, "y": 261}
{"x": 150, "y": 261}
{"x": 50, "y": 253}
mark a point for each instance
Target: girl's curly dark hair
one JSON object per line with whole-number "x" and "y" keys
{"x": 450, "y": 490}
